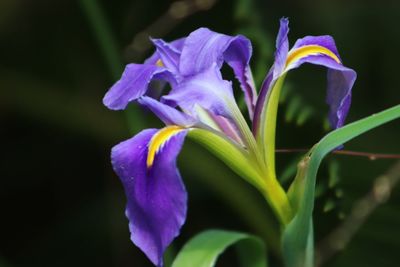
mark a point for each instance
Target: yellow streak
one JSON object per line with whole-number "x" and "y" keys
{"x": 158, "y": 140}
{"x": 309, "y": 50}
{"x": 160, "y": 63}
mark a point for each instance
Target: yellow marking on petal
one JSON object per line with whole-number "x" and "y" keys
{"x": 160, "y": 63}
{"x": 158, "y": 140}
{"x": 309, "y": 50}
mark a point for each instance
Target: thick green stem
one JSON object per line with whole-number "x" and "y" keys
{"x": 274, "y": 193}
{"x": 278, "y": 200}
{"x": 271, "y": 188}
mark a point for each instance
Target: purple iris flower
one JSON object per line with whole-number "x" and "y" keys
{"x": 201, "y": 104}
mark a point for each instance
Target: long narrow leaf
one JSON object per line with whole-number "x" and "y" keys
{"x": 297, "y": 234}
{"x": 204, "y": 249}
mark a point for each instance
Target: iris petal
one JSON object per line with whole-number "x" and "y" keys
{"x": 169, "y": 57}
{"x": 341, "y": 79}
{"x": 204, "y": 47}
{"x": 156, "y": 197}
{"x": 318, "y": 50}
{"x": 282, "y": 47}
{"x": 134, "y": 83}
{"x": 206, "y": 89}
{"x": 175, "y": 45}
{"x": 169, "y": 115}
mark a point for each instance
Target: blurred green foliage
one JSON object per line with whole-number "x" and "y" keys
{"x": 61, "y": 203}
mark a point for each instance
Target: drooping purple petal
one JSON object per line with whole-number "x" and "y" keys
{"x": 204, "y": 47}
{"x": 340, "y": 78}
{"x": 134, "y": 83}
{"x": 156, "y": 197}
{"x": 169, "y": 115}
{"x": 323, "y": 40}
{"x": 319, "y": 50}
{"x": 206, "y": 89}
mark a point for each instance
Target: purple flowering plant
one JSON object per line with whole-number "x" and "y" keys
{"x": 201, "y": 106}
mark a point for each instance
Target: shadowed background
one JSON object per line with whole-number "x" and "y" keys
{"x": 60, "y": 202}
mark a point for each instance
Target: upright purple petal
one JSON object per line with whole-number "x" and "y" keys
{"x": 282, "y": 47}
{"x": 133, "y": 84}
{"x": 168, "y": 55}
{"x": 169, "y": 115}
{"x": 157, "y": 199}
{"x": 206, "y": 89}
{"x": 261, "y": 101}
{"x": 175, "y": 45}
{"x": 203, "y": 48}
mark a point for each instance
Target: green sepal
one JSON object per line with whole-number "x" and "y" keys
{"x": 204, "y": 249}
{"x": 265, "y": 134}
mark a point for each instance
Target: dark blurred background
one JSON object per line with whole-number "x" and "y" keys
{"x": 60, "y": 202}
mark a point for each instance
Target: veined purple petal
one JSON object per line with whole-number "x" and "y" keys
{"x": 261, "y": 101}
{"x": 340, "y": 78}
{"x": 282, "y": 48}
{"x": 204, "y": 47}
{"x": 168, "y": 55}
{"x": 229, "y": 128}
{"x": 169, "y": 115}
{"x": 157, "y": 199}
{"x": 175, "y": 45}
{"x": 155, "y": 59}
{"x": 206, "y": 89}
{"x": 324, "y": 40}
{"x": 319, "y": 50}
{"x": 134, "y": 84}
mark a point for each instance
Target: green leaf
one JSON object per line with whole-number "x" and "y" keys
{"x": 297, "y": 249}
{"x": 204, "y": 249}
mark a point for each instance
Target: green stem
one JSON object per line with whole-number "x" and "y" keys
{"x": 278, "y": 200}
{"x": 271, "y": 188}
{"x": 275, "y": 194}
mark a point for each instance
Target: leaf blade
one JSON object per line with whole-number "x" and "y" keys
{"x": 204, "y": 249}
{"x": 297, "y": 235}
